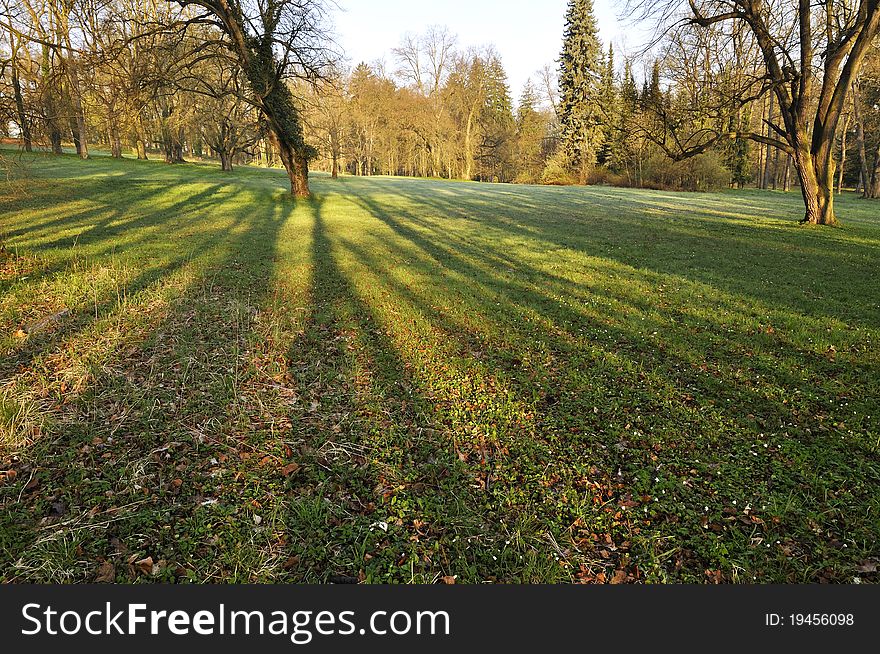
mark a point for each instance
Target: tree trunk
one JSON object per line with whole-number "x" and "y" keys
{"x": 178, "y": 145}
{"x": 140, "y": 138}
{"x": 816, "y": 175}
{"x": 51, "y": 103}
{"x": 225, "y": 160}
{"x": 80, "y": 135}
{"x": 842, "y": 154}
{"x": 55, "y": 139}
{"x": 115, "y": 141}
{"x": 468, "y": 153}
{"x": 872, "y": 185}
{"x": 285, "y": 133}
{"x": 296, "y": 165}
{"x": 167, "y": 147}
{"x": 19, "y": 109}
{"x": 776, "y": 156}
{"x": 767, "y": 159}
{"x": 74, "y": 135}
{"x": 786, "y": 178}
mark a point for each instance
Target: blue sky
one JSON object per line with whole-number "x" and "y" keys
{"x": 527, "y": 33}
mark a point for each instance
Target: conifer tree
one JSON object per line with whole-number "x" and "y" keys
{"x": 620, "y": 157}
{"x": 579, "y": 86}
{"x": 531, "y": 128}
{"x": 497, "y": 124}
{"x": 608, "y": 103}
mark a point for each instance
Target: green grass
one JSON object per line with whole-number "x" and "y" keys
{"x": 495, "y": 383}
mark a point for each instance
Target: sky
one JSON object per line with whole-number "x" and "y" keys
{"x": 526, "y": 33}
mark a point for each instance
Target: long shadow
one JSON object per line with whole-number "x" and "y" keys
{"x": 166, "y": 263}
{"x": 526, "y": 299}
{"x": 125, "y": 457}
{"x": 675, "y": 386}
{"x": 613, "y": 224}
{"x": 350, "y": 371}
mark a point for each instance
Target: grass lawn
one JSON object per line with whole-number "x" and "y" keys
{"x": 407, "y": 381}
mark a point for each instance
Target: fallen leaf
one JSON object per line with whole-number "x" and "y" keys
{"x": 867, "y": 566}
{"x": 145, "y": 565}
{"x": 290, "y": 469}
{"x": 106, "y": 573}
{"x": 448, "y": 580}
{"x": 619, "y": 577}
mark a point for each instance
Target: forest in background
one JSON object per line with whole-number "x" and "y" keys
{"x": 151, "y": 77}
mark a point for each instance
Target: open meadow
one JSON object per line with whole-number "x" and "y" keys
{"x": 203, "y": 379}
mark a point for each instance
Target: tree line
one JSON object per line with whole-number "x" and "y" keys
{"x": 775, "y": 93}
{"x": 174, "y": 76}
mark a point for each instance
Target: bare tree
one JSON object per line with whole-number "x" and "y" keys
{"x": 273, "y": 41}
{"x": 439, "y": 46}
{"x": 806, "y": 55}
{"x": 409, "y": 61}
{"x": 21, "y": 117}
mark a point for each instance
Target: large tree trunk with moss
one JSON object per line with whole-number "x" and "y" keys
{"x": 253, "y": 38}
{"x": 285, "y": 129}
{"x": 296, "y": 165}
{"x": 816, "y": 174}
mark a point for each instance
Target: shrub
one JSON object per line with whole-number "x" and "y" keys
{"x": 557, "y": 172}
{"x": 602, "y": 176}
{"x": 703, "y": 172}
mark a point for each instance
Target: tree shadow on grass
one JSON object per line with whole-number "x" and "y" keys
{"x": 128, "y": 468}
{"x": 156, "y": 263}
{"x": 775, "y": 261}
{"x": 608, "y": 309}
{"x": 639, "y": 396}
{"x": 373, "y": 465}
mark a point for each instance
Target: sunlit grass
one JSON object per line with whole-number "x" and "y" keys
{"x": 407, "y": 380}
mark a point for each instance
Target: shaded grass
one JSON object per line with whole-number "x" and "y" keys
{"x": 401, "y": 381}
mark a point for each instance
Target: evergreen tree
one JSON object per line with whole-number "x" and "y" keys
{"x": 652, "y": 94}
{"x": 622, "y": 151}
{"x": 579, "y": 86}
{"x": 531, "y": 128}
{"x": 610, "y": 112}
{"x": 497, "y": 125}
{"x": 736, "y": 154}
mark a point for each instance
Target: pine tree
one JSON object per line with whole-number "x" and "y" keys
{"x": 579, "y": 86}
{"x": 736, "y": 153}
{"x": 621, "y": 154}
{"x": 497, "y": 124}
{"x": 652, "y": 94}
{"x": 610, "y": 113}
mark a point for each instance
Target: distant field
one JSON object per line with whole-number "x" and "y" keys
{"x": 409, "y": 381}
